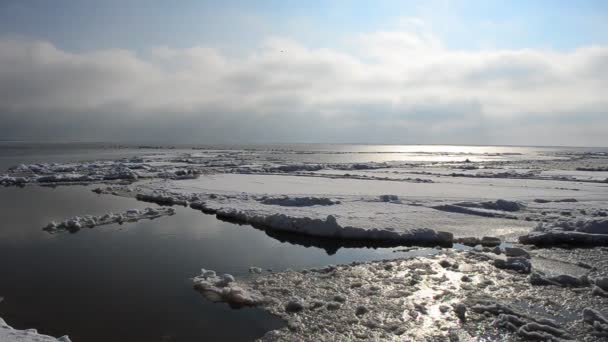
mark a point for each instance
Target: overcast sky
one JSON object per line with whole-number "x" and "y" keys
{"x": 397, "y": 72}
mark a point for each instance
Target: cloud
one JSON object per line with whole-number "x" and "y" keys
{"x": 392, "y": 87}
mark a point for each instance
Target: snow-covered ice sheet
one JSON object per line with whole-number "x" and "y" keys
{"x": 441, "y": 190}
{"x": 298, "y": 185}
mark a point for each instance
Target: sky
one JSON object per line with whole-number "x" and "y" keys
{"x": 336, "y": 71}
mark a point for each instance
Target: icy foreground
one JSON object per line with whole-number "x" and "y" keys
{"x": 8, "y": 334}
{"x": 452, "y": 296}
{"x": 509, "y": 207}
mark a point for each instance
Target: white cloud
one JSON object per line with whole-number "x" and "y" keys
{"x": 393, "y": 82}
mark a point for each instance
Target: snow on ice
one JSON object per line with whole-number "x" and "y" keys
{"x": 8, "y": 334}
{"x": 89, "y": 221}
{"x": 497, "y": 203}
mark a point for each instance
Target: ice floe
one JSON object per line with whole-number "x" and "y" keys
{"x": 330, "y": 228}
{"x": 519, "y": 264}
{"x": 9, "y": 334}
{"x": 223, "y": 288}
{"x": 526, "y": 327}
{"x": 564, "y": 280}
{"x": 89, "y": 221}
{"x": 500, "y": 204}
{"x": 287, "y": 201}
{"x": 597, "y": 321}
{"x": 161, "y": 198}
{"x": 588, "y": 232}
{"x": 386, "y": 215}
{"x": 498, "y": 208}
{"x": 124, "y": 170}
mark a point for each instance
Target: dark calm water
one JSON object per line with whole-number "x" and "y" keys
{"x": 131, "y": 282}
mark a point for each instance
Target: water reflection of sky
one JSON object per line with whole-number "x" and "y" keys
{"x": 93, "y": 284}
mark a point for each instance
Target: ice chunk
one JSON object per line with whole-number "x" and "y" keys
{"x": 589, "y": 232}
{"x": 296, "y": 167}
{"x": 460, "y": 310}
{"x": 564, "y": 280}
{"x": 490, "y": 241}
{"x": 469, "y": 241}
{"x": 591, "y": 226}
{"x": 287, "y": 201}
{"x": 516, "y": 252}
{"x": 485, "y": 209}
{"x": 452, "y": 208}
{"x": 500, "y": 204}
{"x": 597, "y": 320}
{"x": 224, "y": 288}
{"x": 563, "y": 200}
{"x": 330, "y": 228}
{"x": 161, "y": 198}
{"x": 76, "y": 223}
{"x": 596, "y": 291}
{"x": 557, "y": 237}
{"x": 541, "y": 332}
{"x": 503, "y": 205}
{"x": 519, "y": 264}
{"x": 389, "y": 198}
{"x": 598, "y": 169}
{"x": 601, "y": 282}
{"x": 294, "y": 305}
{"x": 255, "y": 270}
{"x": 594, "y": 226}
{"x": 8, "y": 334}
{"x": 361, "y": 310}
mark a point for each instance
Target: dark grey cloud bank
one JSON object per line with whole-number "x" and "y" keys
{"x": 391, "y": 87}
